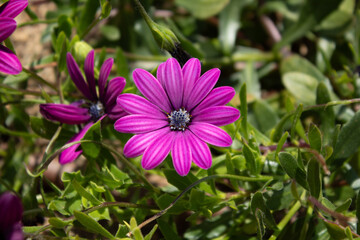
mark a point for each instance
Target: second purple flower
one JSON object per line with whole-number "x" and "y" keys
{"x": 181, "y": 113}
{"x": 94, "y": 108}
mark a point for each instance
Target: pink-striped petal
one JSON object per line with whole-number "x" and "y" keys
{"x": 9, "y": 63}
{"x": 77, "y": 76}
{"x": 217, "y": 97}
{"x": 181, "y": 153}
{"x": 202, "y": 87}
{"x": 115, "y": 112}
{"x": 200, "y": 151}
{"x": 139, "y": 124}
{"x": 104, "y": 75}
{"x": 174, "y": 82}
{"x": 89, "y": 73}
{"x": 71, "y": 153}
{"x": 69, "y": 114}
{"x": 113, "y": 90}
{"x": 211, "y": 134}
{"x": 134, "y": 104}
{"x": 138, "y": 143}
{"x": 157, "y": 150}
{"x": 12, "y": 8}
{"x": 151, "y": 89}
{"x": 7, "y": 27}
{"x": 191, "y": 73}
{"x": 218, "y": 115}
{"x": 160, "y": 74}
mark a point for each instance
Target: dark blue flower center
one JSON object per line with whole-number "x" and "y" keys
{"x": 179, "y": 119}
{"x": 96, "y": 111}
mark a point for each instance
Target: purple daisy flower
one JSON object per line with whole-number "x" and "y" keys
{"x": 88, "y": 111}
{"x": 9, "y": 63}
{"x": 181, "y": 114}
{"x": 11, "y": 211}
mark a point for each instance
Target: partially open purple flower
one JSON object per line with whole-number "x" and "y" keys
{"x": 9, "y": 63}
{"x": 88, "y": 111}
{"x": 181, "y": 114}
{"x": 11, "y": 211}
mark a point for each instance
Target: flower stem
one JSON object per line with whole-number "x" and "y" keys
{"x": 39, "y": 79}
{"x": 34, "y": 22}
{"x": 93, "y": 24}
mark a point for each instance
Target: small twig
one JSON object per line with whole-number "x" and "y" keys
{"x": 39, "y": 79}
{"x": 320, "y": 159}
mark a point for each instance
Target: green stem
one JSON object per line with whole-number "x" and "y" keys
{"x": 39, "y": 79}
{"x": 37, "y": 22}
{"x": 241, "y": 178}
{"x": 96, "y": 21}
{"x": 287, "y": 218}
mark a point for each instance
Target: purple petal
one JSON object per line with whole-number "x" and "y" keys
{"x": 139, "y": 124}
{"x": 115, "y": 112}
{"x": 7, "y": 27}
{"x": 211, "y": 134}
{"x": 181, "y": 153}
{"x": 69, "y": 114}
{"x": 114, "y": 89}
{"x": 89, "y": 73}
{"x": 77, "y": 76}
{"x": 217, "y": 97}
{"x": 158, "y": 149}
{"x": 174, "y": 82}
{"x": 12, "y": 8}
{"x": 11, "y": 210}
{"x": 191, "y": 73}
{"x": 9, "y": 63}
{"x": 134, "y": 104}
{"x": 151, "y": 89}
{"x": 138, "y": 143}
{"x": 104, "y": 75}
{"x": 200, "y": 151}
{"x": 71, "y": 153}
{"x": 14, "y": 232}
{"x": 160, "y": 74}
{"x": 202, "y": 87}
{"x": 218, "y": 115}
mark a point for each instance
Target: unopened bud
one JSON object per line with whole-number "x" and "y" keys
{"x": 81, "y": 50}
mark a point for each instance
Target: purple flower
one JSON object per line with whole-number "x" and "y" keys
{"x": 88, "y": 111}
{"x": 9, "y": 63}
{"x": 181, "y": 114}
{"x": 11, "y": 211}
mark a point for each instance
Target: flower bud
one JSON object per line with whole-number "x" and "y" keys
{"x": 81, "y": 50}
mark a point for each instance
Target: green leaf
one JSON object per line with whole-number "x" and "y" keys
{"x": 92, "y": 225}
{"x": 327, "y": 115}
{"x": 259, "y": 215}
{"x": 335, "y": 231}
{"x": 93, "y": 133}
{"x": 348, "y": 141}
{"x": 43, "y": 127}
{"x": 344, "y": 206}
{"x": 58, "y": 223}
{"x": 281, "y": 143}
{"x": 358, "y": 212}
{"x": 151, "y": 233}
{"x": 122, "y": 67}
{"x": 105, "y": 8}
{"x": 122, "y": 231}
{"x": 229, "y": 23}
{"x": 315, "y": 138}
{"x": 111, "y": 33}
{"x": 31, "y": 229}
{"x": 265, "y": 115}
{"x": 250, "y": 159}
{"x": 312, "y": 13}
{"x": 84, "y": 193}
{"x": 135, "y": 230}
{"x": 243, "y": 111}
{"x": 313, "y": 178}
{"x": 257, "y": 202}
{"x": 302, "y": 86}
{"x": 87, "y": 15}
{"x": 178, "y": 181}
{"x": 167, "y": 230}
{"x": 203, "y": 8}
{"x": 296, "y": 119}
{"x": 290, "y": 166}
{"x": 250, "y": 77}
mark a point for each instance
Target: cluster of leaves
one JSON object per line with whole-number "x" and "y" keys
{"x": 292, "y": 171}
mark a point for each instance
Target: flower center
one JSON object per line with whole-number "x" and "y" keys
{"x": 96, "y": 111}
{"x": 179, "y": 119}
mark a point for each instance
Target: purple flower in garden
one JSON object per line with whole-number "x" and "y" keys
{"x": 11, "y": 211}
{"x": 88, "y": 111}
{"x": 9, "y": 63}
{"x": 181, "y": 114}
